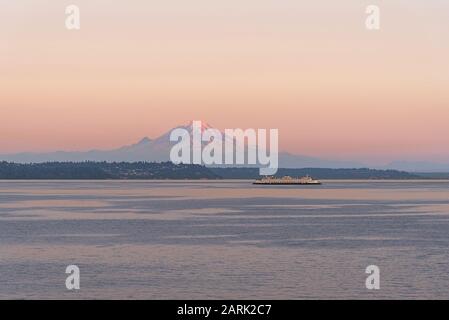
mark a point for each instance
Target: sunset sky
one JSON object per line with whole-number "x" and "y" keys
{"x": 309, "y": 68}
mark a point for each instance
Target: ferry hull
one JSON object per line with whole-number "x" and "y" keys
{"x": 288, "y": 183}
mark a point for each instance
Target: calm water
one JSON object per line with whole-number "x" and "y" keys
{"x": 227, "y": 239}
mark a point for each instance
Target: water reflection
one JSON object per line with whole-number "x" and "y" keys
{"x": 223, "y": 239}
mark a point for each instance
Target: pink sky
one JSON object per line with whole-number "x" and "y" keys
{"x": 308, "y": 68}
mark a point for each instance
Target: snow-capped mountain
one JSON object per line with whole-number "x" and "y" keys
{"x": 146, "y": 149}
{"x": 158, "y": 150}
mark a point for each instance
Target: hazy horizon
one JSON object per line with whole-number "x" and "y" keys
{"x": 312, "y": 70}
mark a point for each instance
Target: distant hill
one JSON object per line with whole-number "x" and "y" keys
{"x": 318, "y": 173}
{"x": 103, "y": 170}
{"x": 167, "y": 170}
{"x": 433, "y": 175}
{"x": 418, "y": 166}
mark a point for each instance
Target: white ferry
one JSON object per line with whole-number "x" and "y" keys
{"x": 287, "y": 180}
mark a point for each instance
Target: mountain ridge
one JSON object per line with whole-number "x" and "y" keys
{"x": 158, "y": 150}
